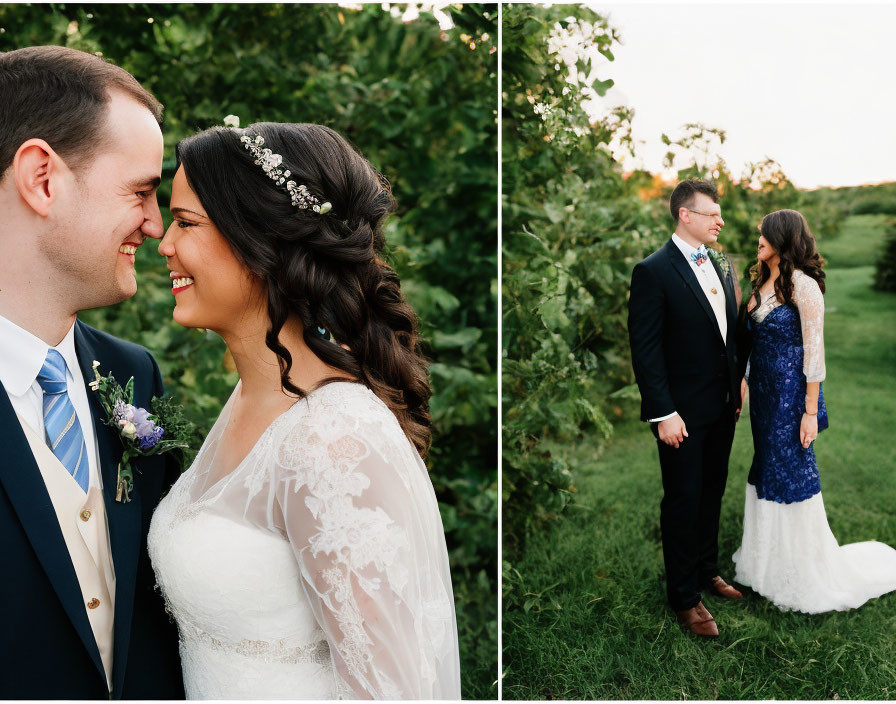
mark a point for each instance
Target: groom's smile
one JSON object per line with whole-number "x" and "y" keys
{"x": 129, "y": 249}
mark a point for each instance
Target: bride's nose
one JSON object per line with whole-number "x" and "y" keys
{"x": 166, "y": 246}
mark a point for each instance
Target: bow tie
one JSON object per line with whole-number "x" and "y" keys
{"x": 700, "y": 255}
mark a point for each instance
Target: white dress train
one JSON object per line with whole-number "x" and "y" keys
{"x": 789, "y": 555}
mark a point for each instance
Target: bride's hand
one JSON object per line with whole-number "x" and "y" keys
{"x": 743, "y": 394}
{"x": 808, "y": 429}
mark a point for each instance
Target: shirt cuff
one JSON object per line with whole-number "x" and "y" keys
{"x": 657, "y": 420}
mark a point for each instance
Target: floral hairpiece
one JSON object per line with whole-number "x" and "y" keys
{"x": 270, "y": 162}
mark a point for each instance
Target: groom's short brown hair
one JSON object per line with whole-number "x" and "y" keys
{"x": 684, "y": 192}
{"x": 60, "y": 95}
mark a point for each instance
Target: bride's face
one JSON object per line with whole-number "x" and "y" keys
{"x": 766, "y": 253}
{"x": 212, "y": 288}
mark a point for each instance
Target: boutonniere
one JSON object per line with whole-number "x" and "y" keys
{"x": 142, "y": 433}
{"x": 721, "y": 260}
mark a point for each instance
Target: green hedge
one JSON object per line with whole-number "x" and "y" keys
{"x": 885, "y": 271}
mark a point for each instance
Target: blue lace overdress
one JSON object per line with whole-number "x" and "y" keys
{"x": 788, "y": 553}
{"x": 782, "y": 470}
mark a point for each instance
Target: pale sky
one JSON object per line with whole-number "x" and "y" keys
{"x": 812, "y": 86}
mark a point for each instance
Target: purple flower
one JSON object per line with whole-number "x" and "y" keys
{"x": 119, "y": 413}
{"x": 140, "y": 419}
{"x": 136, "y": 425}
{"x": 148, "y": 442}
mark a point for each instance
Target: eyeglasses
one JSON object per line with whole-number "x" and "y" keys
{"x": 709, "y": 215}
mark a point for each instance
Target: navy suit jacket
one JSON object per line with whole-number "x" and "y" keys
{"x": 47, "y": 648}
{"x": 680, "y": 360}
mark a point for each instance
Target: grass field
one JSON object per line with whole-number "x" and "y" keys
{"x": 598, "y": 626}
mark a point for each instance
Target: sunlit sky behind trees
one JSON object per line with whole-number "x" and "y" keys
{"x": 809, "y": 85}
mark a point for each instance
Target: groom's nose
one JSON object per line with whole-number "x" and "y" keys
{"x": 152, "y": 222}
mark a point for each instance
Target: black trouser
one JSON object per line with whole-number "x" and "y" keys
{"x": 694, "y": 476}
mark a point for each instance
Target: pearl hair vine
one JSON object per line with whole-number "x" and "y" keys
{"x": 270, "y": 162}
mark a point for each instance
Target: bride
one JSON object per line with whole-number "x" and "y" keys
{"x": 788, "y": 553}
{"x": 302, "y": 554}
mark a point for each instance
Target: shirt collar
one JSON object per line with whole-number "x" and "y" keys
{"x": 67, "y": 349}
{"x": 685, "y": 248}
{"x": 22, "y": 355}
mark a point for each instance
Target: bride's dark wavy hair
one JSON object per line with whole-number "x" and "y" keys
{"x": 324, "y": 269}
{"x": 788, "y": 232}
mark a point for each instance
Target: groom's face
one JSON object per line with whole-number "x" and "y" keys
{"x": 704, "y": 219}
{"x": 110, "y": 208}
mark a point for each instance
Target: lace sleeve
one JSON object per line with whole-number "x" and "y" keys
{"x": 810, "y": 303}
{"x": 360, "y": 513}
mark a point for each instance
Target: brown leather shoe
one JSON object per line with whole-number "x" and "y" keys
{"x": 698, "y": 620}
{"x": 718, "y": 587}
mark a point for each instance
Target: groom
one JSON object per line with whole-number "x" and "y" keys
{"x": 682, "y": 312}
{"x": 80, "y": 160}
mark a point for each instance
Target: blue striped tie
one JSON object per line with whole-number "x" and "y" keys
{"x": 64, "y": 434}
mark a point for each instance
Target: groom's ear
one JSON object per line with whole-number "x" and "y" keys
{"x": 37, "y": 171}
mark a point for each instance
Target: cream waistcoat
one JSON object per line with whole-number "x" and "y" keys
{"x": 709, "y": 281}
{"x": 82, "y": 519}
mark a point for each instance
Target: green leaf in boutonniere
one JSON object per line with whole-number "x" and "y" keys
{"x": 142, "y": 433}
{"x": 721, "y": 260}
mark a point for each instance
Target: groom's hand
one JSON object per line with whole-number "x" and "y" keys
{"x": 672, "y": 431}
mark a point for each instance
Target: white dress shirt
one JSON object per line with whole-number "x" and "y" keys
{"x": 712, "y": 288}
{"x": 21, "y": 357}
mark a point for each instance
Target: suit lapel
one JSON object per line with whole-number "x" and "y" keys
{"x": 680, "y": 264}
{"x": 730, "y": 300}
{"x": 23, "y": 483}
{"x": 124, "y": 518}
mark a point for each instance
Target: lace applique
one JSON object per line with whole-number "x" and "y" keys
{"x": 782, "y": 470}
{"x": 185, "y": 511}
{"x": 355, "y": 647}
{"x": 258, "y": 475}
{"x": 809, "y": 302}
{"x": 352, "y": 549}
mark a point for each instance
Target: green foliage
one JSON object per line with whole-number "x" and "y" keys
{"x": 885, "y": 272}
{"x": 869, "y": 200}
{"x": 875, "y": 207}
{"x": 572, "y": 231}
{"x": 178, "y": 430}
{"x": 420, "y": 104}
{"x": 585, "y": 613}
{"x": 762, "y": 188}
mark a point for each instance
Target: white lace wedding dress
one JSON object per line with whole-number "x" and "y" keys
{"x": 317, "y": 569}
